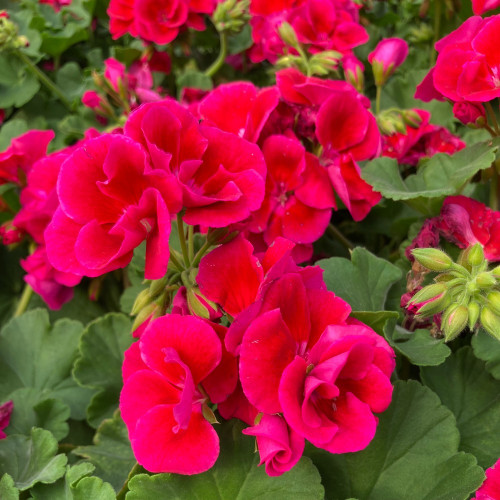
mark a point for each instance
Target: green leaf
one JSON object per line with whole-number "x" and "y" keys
{"x": 32, "y": 409}
{"x": 420, "y": 347}
{"x": 111, "y": 453}
{"x": 94, "y": 488}
{"x": 128, "y": 297}
{"x": 8, "y": 490}
{"x": 473, "y": 396}
{"x": 234, "y": 476}
{"x": 100, "y": 363}
{"x": 10, "y": 130}
{"x": 61, "y": 489}
{"x": 487, "y": 348}
{"x": 31, "y": 460}
{"x": 375, "y": 319}
{"x": 241, "y": 41}
{"x": 194, "y": 79}
{"x": 70, "y": 80}
{"x": 363, "y": 282}
{"x": 33, "y": 354}
{"x": 17, "y": 84}
{"x": 438, "y": 177}
{"x": 414, "y": 455}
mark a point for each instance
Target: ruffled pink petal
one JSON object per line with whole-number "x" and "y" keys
{"x": 193, "y": 339}
{"x": 159, "y": 449}
{"x": 266, "y": 350}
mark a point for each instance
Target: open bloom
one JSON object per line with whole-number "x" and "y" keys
{"x": 110, "y": 200}
{"x": 162, "y": 401}
{"x": 221, "y": 175}
{"x": 467, "y": 67}
{"x": 481, "y": 6}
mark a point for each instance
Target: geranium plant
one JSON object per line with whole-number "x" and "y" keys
{"x": 250, "y": 249}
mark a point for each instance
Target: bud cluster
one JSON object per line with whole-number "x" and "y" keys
{"x": 392, "y": 121}
{"x": 231, "y": 15}
{"x": 9, "y": 37}
{"x": 465, "y": 292}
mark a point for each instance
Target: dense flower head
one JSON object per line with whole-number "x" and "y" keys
{"x": 110, "y": 200}
{"x": 467, "y": 65}
{"x": 162, "y": 398}
{"x": 157, "y": 21}
{"x": 421, "y": 141}
{"x": 220, "y": 174}
{"x": 299, "y": 198}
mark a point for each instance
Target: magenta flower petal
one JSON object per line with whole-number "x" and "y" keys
{"x": 266, "y": 350}
{"x": 193, "y": 339}
{"x": 188, "y": 451}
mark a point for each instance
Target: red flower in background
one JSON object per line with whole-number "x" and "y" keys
{"x": 490, "y": 489}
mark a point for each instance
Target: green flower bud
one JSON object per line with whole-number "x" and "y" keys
{"x": 412, "y": 118}
{"x": 195, "y": 306}
{"x": 454, "y": 321}
{"x": 157, "y": 287}
{"x": 496, "y": 272}
{"x": 142, "y": 300}
{"x": 288, "y": 35}
{"x": 485, "y": 280}
{"x": 429, "y": 292}
{"x": 143, "y": 315}
{"x": 494, "y": 301}
{"x": 490, "y": 322}
{"x": 474, "y": 310}
{"x": 432, "y": 259}
{"x": 475, "y": 257}
{"x": 434, "y": 306}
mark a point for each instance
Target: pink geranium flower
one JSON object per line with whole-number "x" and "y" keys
{"x": 467, "y": 65}
{"x": 162, "y": 398}
{"x": 299, "y": 200}
{"x": 221, "y": 175}
{"x": 110, "y": 201}
{"x": 240, "y": 108}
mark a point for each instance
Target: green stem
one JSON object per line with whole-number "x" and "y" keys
{"x": 494, "y": 121}
{"x": 337, "y": 234}
{"x": 182, "y": 239}
{"x": 24, "y": 300}
{"x": 377, "y": 99}
{"x": 175, "y": 262}
{"x": 191, "y": 243}
{"x": 136, "y": 469}
{"x": 494, "y": 190}
{"x": 201, "y": 252}
{"x": 217, "y": 64}
{"x": 44, "y": 79}
{"x": 437, "y": 29}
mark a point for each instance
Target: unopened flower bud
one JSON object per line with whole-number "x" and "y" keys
{"x": 142, "y": 300}
{"x": 428, "y": 293}
{"x": 387, "y": 56}
{"x": 412, "y": 118}
{"x": 157, "y": 287}
{"x": 496, "y": 272}
{"x": 494, "y": 301}
{"x": 288, "y": 35}
{"x": 490, "y": 322}
{"x": 432, "y": 259}
{"x": 475, "y": 256}
{"x": 455, "y": 319}
{"x": 143, "y": 315}
{"x": 485, "y": 280}
{"x": 474, "y": 309}
{"x": 231, "y": 15}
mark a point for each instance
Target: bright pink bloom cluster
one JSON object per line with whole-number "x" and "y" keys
{"x": 420, "y": 141}
{"x": 319, "y": 24}
{"x": 157, "y": 21}
{"x": 468, "y": 65}
{"x": 309, "y": 370}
